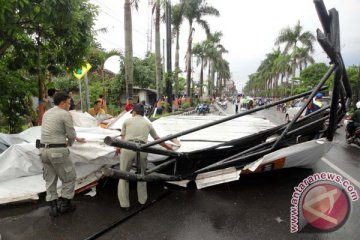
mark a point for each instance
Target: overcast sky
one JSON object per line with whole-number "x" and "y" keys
{"x": 249, "y": 29}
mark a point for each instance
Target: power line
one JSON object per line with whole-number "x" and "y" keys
{"x": 118, "y": 19}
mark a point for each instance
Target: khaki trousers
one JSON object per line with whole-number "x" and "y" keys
{"x": 57, "y": 164}
{"x": 127, "y": 157}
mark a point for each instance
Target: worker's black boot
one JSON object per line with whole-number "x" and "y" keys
{"x": 67, "y": 205}
{"x": 54, "y": 209}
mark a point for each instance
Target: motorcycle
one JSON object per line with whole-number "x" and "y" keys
{"x": 202, "y": 109}
{"x": 352, "y": 133}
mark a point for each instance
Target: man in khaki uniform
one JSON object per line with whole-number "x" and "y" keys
{"x": 135, "y": 129}
{"x": 57, "y": 133}
{"x": 96, "y": 109}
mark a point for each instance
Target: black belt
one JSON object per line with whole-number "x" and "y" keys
{"x": 137, "y": 141}
{"x": 52, "y": 145}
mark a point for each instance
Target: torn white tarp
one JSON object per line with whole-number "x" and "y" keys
{"x": 21, "y": 167}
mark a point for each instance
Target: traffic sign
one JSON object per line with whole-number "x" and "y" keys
{"x": 79, "y": 73}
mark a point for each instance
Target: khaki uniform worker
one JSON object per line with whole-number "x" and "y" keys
{"x": 57, "y": 133}
{"x": 135, "y": 129}
{"x": 96, "y": 109}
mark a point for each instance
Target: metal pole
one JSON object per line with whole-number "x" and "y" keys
{"x": 81, "y": 102}
{"x": 87, "y": 104}
{"x": 171, "y": 136}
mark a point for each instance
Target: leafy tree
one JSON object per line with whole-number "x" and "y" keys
{"x": 144, "y": 71}
{"x": 45, "y": 37}
{"x": 66, "y": 83}
{"x": 353, "y": 75}
{"x": 311, "y": 76}
{"x": 16, "y": 103}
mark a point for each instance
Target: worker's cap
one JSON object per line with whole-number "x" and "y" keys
{"x": 318, "y": 95}
{"x": 139, "y": 109}
{"x": 130, "y": 98}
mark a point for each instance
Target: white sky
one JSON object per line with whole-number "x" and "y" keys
{"x": 249, "y": 29}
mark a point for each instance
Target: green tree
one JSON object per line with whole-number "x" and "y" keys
{"x": 176, "y": 21}
{"x": 195, "y": 10}
{"x": 311, "y": 76}
{"x": 199, "y": 50}
{"x": 16, "y": 108}
{"x": 43, "y": 35}
{"x": 292, "y": 37}
{"x": 353, "y": 75}
{"x": 66, "y": 82}
{"x": 42, "y": 39}
{"x": 214, "y": 56}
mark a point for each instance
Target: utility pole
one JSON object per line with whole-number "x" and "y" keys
{"x": 168, "y": 54}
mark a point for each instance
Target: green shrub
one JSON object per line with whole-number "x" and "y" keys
{"x": 185, "y": 105}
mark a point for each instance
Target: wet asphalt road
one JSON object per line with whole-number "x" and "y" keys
{"x": 255, "y": 207}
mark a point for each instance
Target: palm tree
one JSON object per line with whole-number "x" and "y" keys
{"x": 303, "y": 56}
{"x": 157, "y": 49}
{"x": 128, "y": 62}
{"x": 176, "y": 21}
{"x": 195, "y": 10}
{"x": 199, "y": 50}
{"x": 214, "y": 53}
{"x": 291, "y": 37}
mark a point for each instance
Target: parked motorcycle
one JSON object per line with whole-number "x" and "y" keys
{"x": 202, "y": 109}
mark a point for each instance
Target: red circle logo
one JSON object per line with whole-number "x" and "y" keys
{"x": 326, "y": 206}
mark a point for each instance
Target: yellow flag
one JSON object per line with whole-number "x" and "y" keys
{"x": 79, "y": 73}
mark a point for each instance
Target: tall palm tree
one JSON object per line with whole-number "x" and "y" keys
{"x": 291, "y": 37}
{"x": 128, "y": 62}
{"x": 176, "y": 21}
{"x": 199, "y": 50}
{"x": 223, "y": 73}
{"x": 214, "y": 53}
{"x": 283, "y": 67}
{"x": 195, "y": 10}
{"x": 303, "y": 57}
{"x": 157, "y": 49}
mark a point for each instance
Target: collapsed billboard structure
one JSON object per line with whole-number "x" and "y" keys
{"x": 281, "y": 146}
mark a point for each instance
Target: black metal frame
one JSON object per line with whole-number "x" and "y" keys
{"x": 239, "y": 152}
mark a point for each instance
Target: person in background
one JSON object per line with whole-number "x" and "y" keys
{"x": 160, "y": 106}
{"x": 129, "y": 104}
{"x": 355, "y": 117}
{"x": 72, "y": 102}
{"x": 57, "y": 134}
{"x": 94, "y": 111}
{"x": 103, "y": 102}
{"x": 315, "y": 104}
{"x": 135, "y": 129}
{"x": 50, "y": 98}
